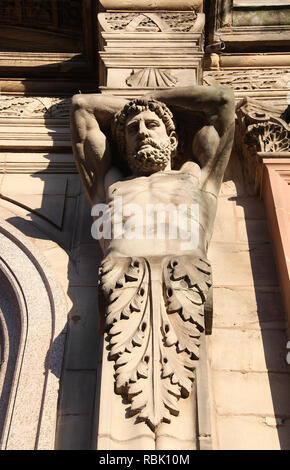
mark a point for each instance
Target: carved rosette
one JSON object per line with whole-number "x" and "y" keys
{"x": 154, "y": 318}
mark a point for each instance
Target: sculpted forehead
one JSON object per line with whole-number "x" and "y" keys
{"x": 143, "y": 116}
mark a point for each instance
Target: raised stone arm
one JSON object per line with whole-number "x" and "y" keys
{"x": 91, "y": 117}
{"x": 213, "y": 142}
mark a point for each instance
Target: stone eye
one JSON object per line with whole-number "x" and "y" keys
{"x": 132, "y": 129}
{"x": 151, "y": 124}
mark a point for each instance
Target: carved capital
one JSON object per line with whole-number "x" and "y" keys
{"x": 261, "y": 132}
{"x": 154, "y": 318}
{"x": 263, "y": 128}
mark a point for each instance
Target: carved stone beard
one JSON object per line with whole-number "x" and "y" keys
{"x": 151, "y": 159}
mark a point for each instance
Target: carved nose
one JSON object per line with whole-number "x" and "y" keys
{"x": 143, "y": 131}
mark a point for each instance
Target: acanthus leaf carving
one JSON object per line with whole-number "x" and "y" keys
{"x": 154, "y": 318}
{"x": 263, "y": 128}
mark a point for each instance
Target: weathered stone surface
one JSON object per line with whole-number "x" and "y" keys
{"x": 248, "y": 350}
{"x": 248, "y": 308}
{"x": 83, "y": 339}
{"x": 250, "y": 208}
{"x": 74, "y": 432}
{"x": 80, "y": 392}
{"x": 253, "y": 231}
{"x": 153, "y": 4}
{"x": 251, "y": 433}
{"x": 252, "y": 264}
{"x": 224, "y": 230}
{"x": 261, "y": 393}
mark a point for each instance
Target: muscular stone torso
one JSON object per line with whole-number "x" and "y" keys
{"x": 168, "y": 187}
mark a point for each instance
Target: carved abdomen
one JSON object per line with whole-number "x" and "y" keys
{"x": 158, "y": 215}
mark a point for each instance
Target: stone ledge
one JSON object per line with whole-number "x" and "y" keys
{"x": 152, "y": 5}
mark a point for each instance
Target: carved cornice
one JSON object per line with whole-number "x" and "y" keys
{"x": 155, "y": 5}
{"x": 155, "y": 317}
{"x": 34, "y": 122}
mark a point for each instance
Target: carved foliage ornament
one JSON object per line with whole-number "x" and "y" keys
{"x": 154, "y": 329}
{"x": 269, "y": 133}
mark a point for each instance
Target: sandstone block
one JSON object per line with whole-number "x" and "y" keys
{"x": 249, "y": 350}
{"x": 247, "y": 308}
{"x": 252, "y": 393}
{"x": 251, "y": 433}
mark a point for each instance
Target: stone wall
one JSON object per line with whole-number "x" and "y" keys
{"x": 249, "y": 375}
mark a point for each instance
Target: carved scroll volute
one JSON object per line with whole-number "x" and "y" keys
{"x": 154, "y": 318}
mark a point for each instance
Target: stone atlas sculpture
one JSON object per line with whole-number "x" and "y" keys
{"x": 155, "y": 280}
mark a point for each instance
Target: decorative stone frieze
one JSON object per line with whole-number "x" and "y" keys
{"x": 34, "y": 122}
{"x": 34, "y": 107}
{"x": 140, "y": 22}
{"x": 249, "y": 80}
{"x": 266, "y": 85}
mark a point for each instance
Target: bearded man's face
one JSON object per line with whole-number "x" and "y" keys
{"x": 148, "y": 147}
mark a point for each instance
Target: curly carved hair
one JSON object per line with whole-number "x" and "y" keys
{"x": 135, "y": 107}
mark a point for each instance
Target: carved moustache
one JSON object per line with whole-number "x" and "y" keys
{"x": 151, "y": 142}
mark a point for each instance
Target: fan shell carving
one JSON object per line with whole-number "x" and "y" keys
{"x": 151, "y": 78}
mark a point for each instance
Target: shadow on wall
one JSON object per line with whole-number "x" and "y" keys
{"x": 270, "y": 310}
